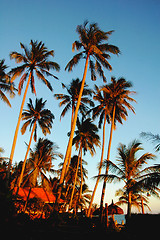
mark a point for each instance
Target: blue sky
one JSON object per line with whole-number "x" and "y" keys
{"x": 137, "y": 34}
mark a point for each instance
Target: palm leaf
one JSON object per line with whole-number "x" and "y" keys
{"x": 74, "y": 61}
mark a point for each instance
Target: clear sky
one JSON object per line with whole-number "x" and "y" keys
{"x": 137, "y": 34}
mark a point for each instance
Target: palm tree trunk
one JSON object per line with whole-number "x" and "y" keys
{"x": 80, "y": 193}
{"x": 72, "y": 131}
{"x": 108, "y": 157}
{"x": 17, "y": 129}
{"x": 129, "y": 205}
{"x": 100, "y": 168}
{"x": 70, "y": 203}
{"x": 25, "y": 206}
{"x": 69, "y": 159}
{"x": 142, "y": 205}
{"x": 24, "y": 162}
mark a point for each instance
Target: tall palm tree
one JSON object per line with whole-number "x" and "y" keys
{"x": 102, "y": 111}
{"x": 33, "y": 116}
{"x": 69, "y": 101}
{"x": 96, "y": 52}
{"x": 35, "y": 61}
{"x": 5, "y": 84}
{"x": 86, "y": 138}
{"x": 129, "y": 168}
{"x": 119, "y": 98}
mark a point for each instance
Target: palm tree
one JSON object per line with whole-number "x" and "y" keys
{"x": 34, "y": 61}
{"x": 155, "y": 138}
{"x": 69, "y": 100}
{"x": 153, "y": 178}
{"x": 73, "y": 178}
{"x": 35, "y": 115}
{"x": 93, "y": 41}
{"x": 130, "y": 169}
{"x": 119, "y": 98}
{"x": 81, "y": 203}
{"x": 103, "y": 111}
{"x": 86, "y": 138}
{"x": 40, "y": 163}
{"x": 5, "y": 84}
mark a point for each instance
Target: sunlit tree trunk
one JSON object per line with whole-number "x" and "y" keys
{"x": 69, "y": 147}
{"x": 100, "y": 168}
{"x": 108, "y": 158}
{"x": 80, "y": 193}
{"x": 75, "y": 179}
{"x": 129, "y": 205}
{"x": 17, "y": 129}
{"x": 142, "y": 205}
{"x": 25, "y": 159}
{"x": 69, "y": 159}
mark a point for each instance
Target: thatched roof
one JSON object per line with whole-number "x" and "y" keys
{"x": 37, "y": 192}
{"x": 114, "y": 209}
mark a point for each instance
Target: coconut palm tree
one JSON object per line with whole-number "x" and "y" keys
{"x": 69, "y": 100}
{"x": 35, "y": 61}
{"x": 119, "y": 101}
{"x": 153, "y": 178}
{"x": 102, "y": 111}
{"x": 35, "y": 115}
{"x": 5, "y": 84}
{"x": 39, "y": 164}
{"x": 73, "y": 178}
{"x": 155, "y": 138}
{"x": 96, "y": 51}
{"x": 86, "y": 138}
{"x": 40, "y": 161}
{"x": 129, "y": 168}
{"x": 81, "y": 203}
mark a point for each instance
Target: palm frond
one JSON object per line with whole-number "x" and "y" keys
{"x": 46, "y": 82}
{"x": 155, "y": 138}
{"x": 74, "y": 61}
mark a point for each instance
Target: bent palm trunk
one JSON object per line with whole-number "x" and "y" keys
{"x": 25, "y": 159}
{"x": 69, "y": 147}
{"x": 100, "y": 168}
{"x": 70, "y": 203}
{"x": 17, "y": 129}
{"x": 107, "y": 167}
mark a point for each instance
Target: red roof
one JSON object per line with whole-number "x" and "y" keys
{"x": 41, "y": 193}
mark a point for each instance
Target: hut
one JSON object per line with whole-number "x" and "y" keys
{"x": 37, "y": 192}
{"x": 114, "y": 209}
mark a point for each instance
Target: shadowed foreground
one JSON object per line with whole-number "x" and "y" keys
{"x": 64, "y": 227}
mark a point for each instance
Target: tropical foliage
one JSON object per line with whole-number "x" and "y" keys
{"x": 93, "y": 41}
{"x": 130, "y": 170}
{"x": 35, "y": 60}
{"x": 110, "y": 104}
{"x": 5, "y": 84}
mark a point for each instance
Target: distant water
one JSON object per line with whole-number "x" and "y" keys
{"x": 119, "y": 218}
